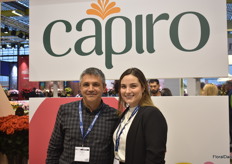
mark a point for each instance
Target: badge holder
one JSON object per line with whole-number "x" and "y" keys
{"x": 82, "y": 154}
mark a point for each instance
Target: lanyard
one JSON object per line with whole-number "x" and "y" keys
{"x": 118, "y": 134}
{"x": 81, "y": 122}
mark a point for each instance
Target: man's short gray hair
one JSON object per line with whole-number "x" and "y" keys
{"x": 93, "y": 71}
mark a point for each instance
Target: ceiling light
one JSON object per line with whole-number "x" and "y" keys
{"x": 6, "y": 30}
{"x": 16, "y": 13}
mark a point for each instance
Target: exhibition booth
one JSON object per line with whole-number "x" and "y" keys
{"x": 166, "y": 40}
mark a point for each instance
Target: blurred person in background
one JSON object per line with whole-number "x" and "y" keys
{"x": 201, "y": 89}
{"x": 166, "y": 92}
{"x": 210, "y": 90}
{"x": 154, "y": 86}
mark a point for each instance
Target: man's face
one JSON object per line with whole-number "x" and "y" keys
{"x": 154, "y": 87}
{"x": 91, "y": 88}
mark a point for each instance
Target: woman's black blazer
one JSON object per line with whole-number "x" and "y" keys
{"x": 147, "y": 137}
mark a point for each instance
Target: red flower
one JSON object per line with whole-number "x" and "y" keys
{"x": 10, "y": 131}
{"x": 25, "y": 90}
{"x": 13, "y": 123}
{"x": 14, "y": 131}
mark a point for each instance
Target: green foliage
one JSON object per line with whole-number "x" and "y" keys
{"x": 14, "y": 144}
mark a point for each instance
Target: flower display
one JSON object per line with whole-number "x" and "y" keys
{"x": 14, "y": 135}
{"x": 68, "y": 91}
{"x": 13, "y": 92}
{"x": 15, "y": 104}
{"x": 26, "y": 92}
{"x": 10, "y": 124}
{"x": 26, "y": 107}
{"x": 23, "y": 104}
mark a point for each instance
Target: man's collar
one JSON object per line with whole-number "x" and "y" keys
{"x": 95, "y": 111}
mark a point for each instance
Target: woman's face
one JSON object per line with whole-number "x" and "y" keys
{"x": 131, "y": 90}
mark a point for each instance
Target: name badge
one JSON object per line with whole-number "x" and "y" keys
{"x": 116, "y": 161}
{"x": 82, "y": 154}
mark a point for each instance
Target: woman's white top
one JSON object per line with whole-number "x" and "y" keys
{"x": 121, "y": 154}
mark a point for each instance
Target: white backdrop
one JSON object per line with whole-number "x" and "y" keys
{"x": 198, "y": 128}
{"x": 166, "y": 62}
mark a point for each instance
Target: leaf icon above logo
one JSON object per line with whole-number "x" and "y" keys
{"x": 103, "y": 8}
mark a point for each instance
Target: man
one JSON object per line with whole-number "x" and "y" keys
{"x": 154, "y": 87}
{"x": 83, "y": 129}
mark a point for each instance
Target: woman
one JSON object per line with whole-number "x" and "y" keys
{"x": 141, "y": 135}
{"x": 210, "y": 90}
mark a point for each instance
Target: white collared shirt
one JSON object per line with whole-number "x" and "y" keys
{"x": 121, "y": 154}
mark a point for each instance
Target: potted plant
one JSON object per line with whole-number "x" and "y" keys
{"x": 26, "y": 93}
{"x": 14, "y": 131}
{"x": 68, "y": 91}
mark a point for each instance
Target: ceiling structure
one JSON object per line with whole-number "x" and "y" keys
{"x": 14, "y": 22}
{"x": 18, "y": 26}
